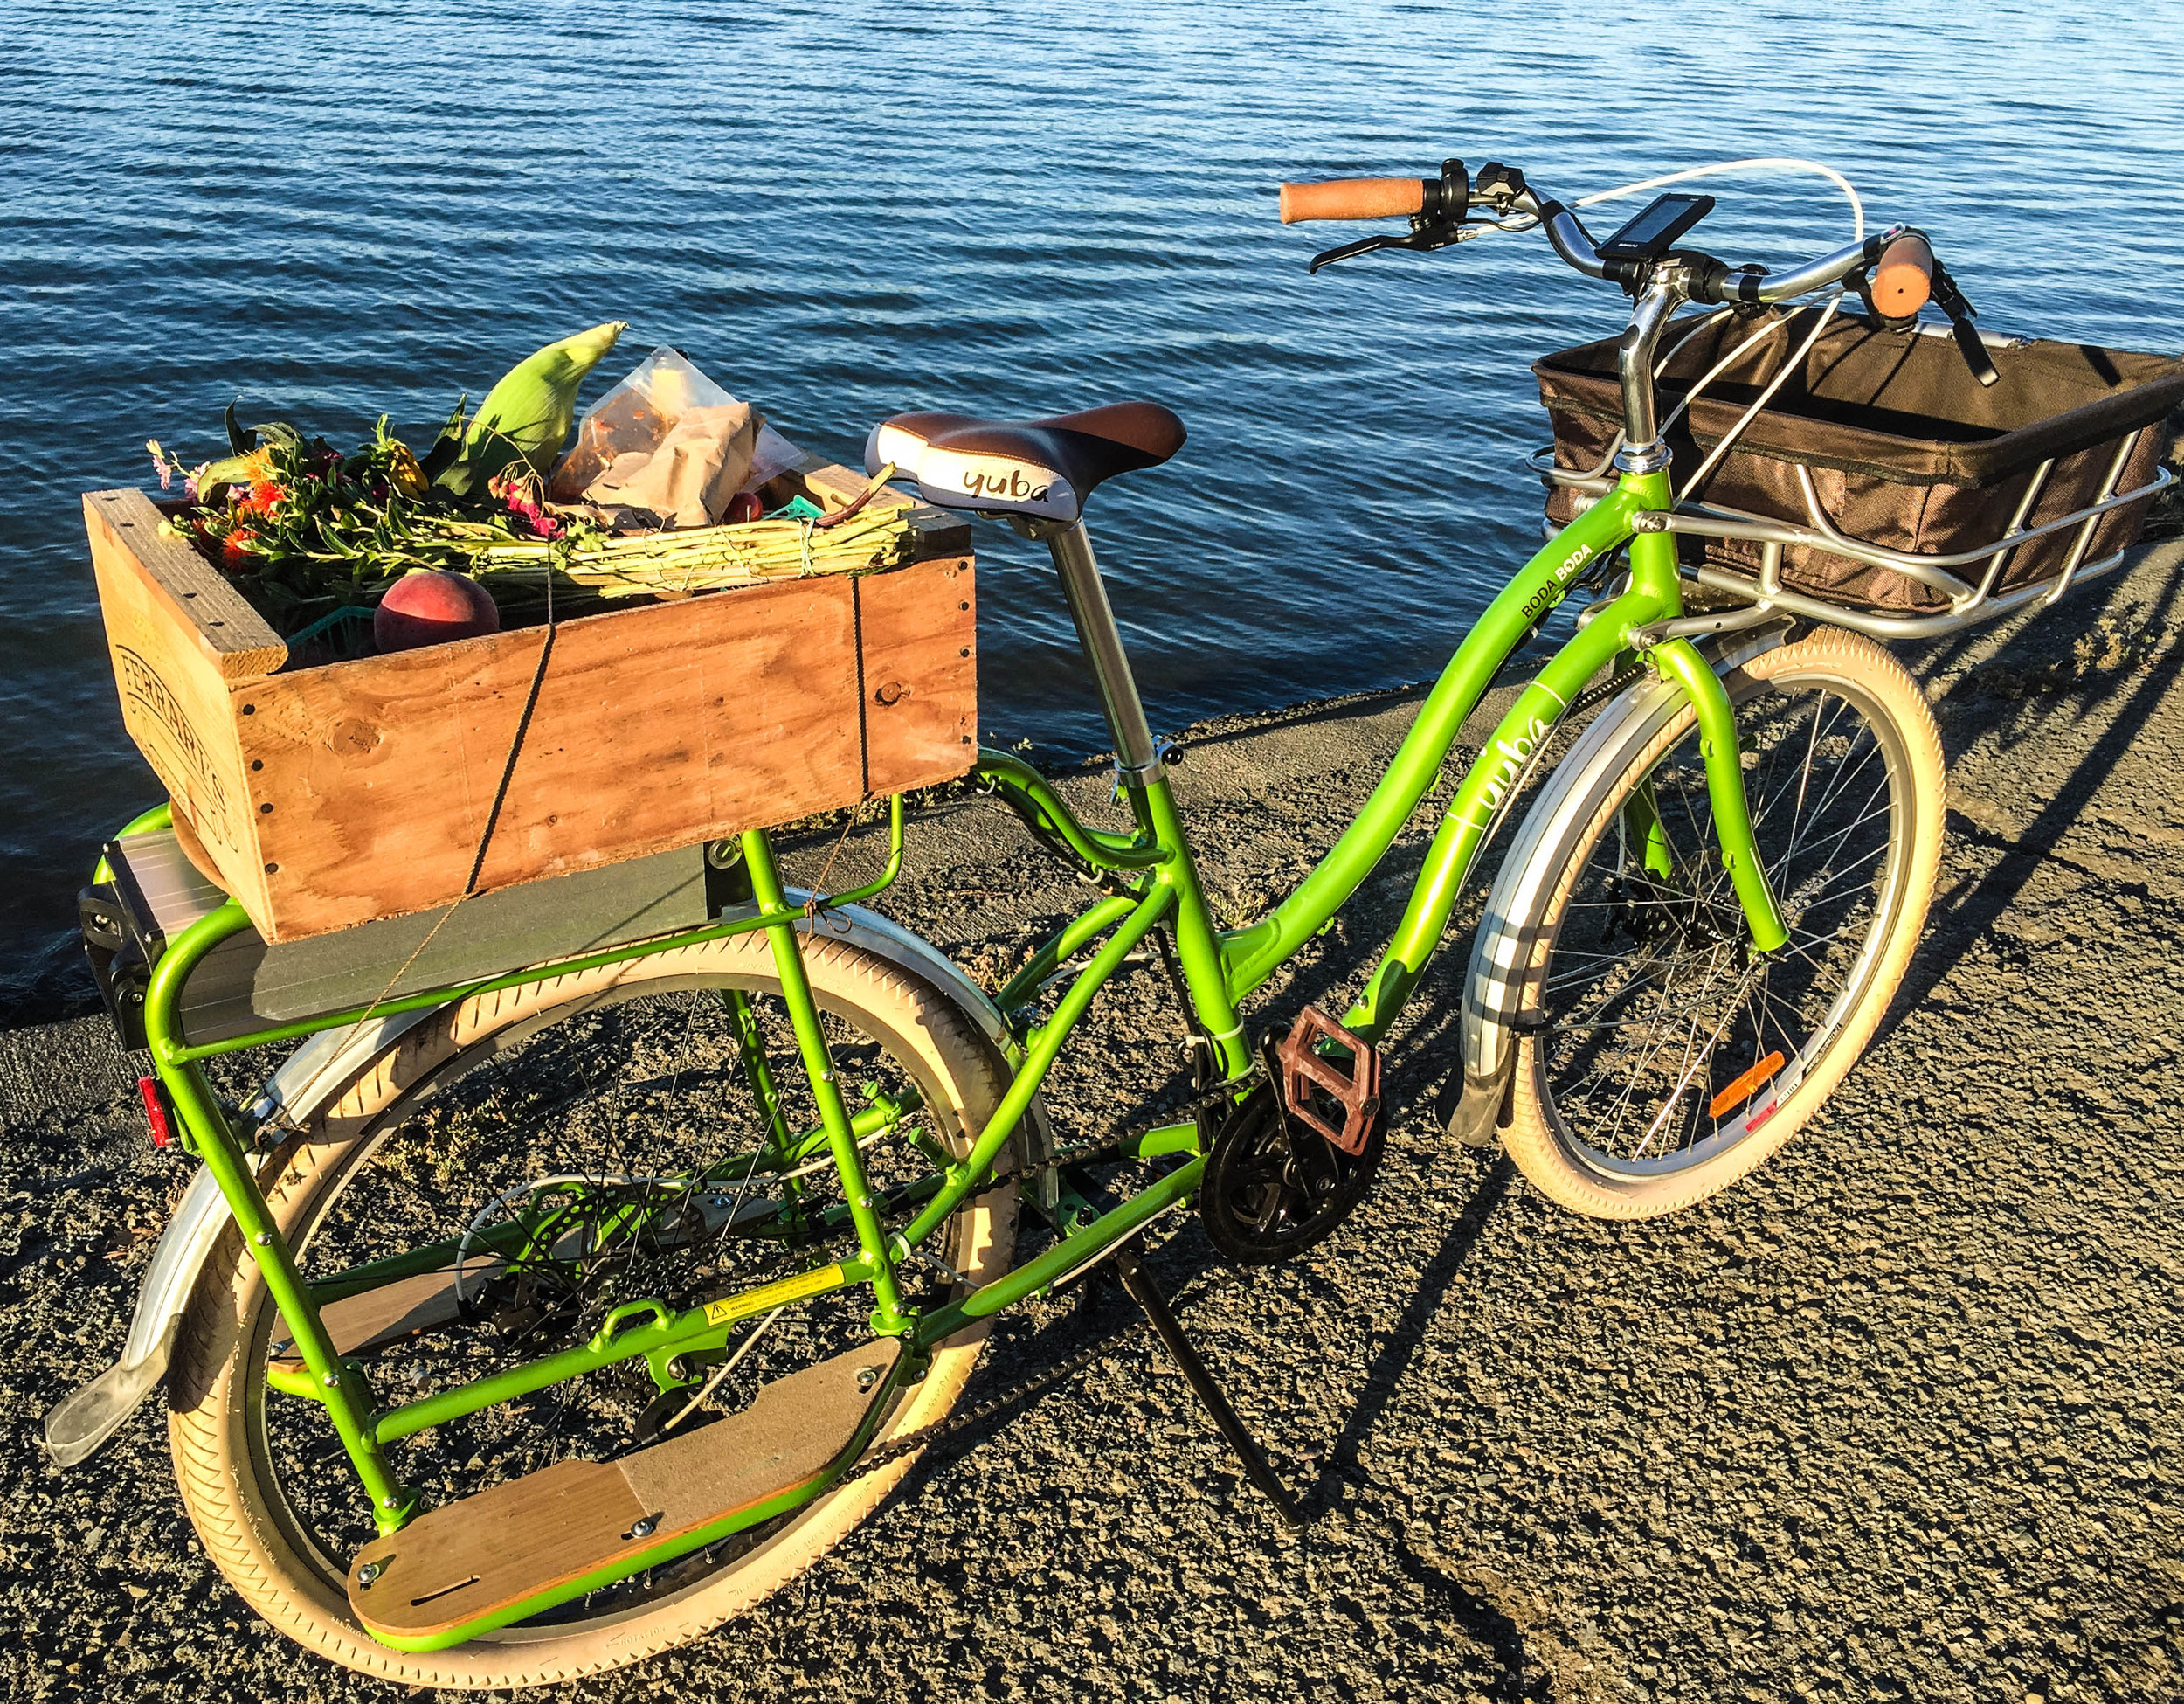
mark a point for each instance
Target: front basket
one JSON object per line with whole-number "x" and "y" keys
{"x": 1884, "y": 443}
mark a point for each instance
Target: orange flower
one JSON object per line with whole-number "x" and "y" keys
{"x": 261, "y": 497}
{"x": 236, "y": 549}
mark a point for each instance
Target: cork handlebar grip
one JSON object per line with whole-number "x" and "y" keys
{"x": 1353, "y": 198}
{"x": 1904, "y": 277}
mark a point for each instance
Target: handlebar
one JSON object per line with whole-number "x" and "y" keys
{"x": 1702, "y": 278}
{"x": 1896, "y": 273}
{"x": 1902, "y": 261}
{"x": 1903, "y": 280}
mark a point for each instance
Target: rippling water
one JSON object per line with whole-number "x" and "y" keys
{"x": 845, "y": 210}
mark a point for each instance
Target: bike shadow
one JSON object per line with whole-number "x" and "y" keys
{"x": 1965, "y": 912}
{"x": 1341, "y": 1470}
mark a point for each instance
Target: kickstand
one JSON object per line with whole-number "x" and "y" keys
{"x": 1141, "y": 1289}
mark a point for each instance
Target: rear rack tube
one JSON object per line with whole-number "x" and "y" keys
{"x": 2085, "y": 537}
{"x": 1709, "y": 520}
{"x": 1894, "y": 627}
{"x": 1969, "y": 604}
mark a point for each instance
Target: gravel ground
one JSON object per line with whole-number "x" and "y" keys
{"x": 1892, "y": 1419}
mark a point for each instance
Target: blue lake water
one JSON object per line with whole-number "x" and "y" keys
{"x": 845, "y": 210}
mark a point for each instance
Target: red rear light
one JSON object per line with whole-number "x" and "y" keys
{"x": 156, "y": 1111}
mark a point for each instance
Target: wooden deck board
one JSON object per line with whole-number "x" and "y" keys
{"x": 531, "y": 1537}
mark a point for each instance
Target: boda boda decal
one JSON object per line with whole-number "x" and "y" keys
{"x": 1012, "y": 484}
{"x": 1551, "y": 594}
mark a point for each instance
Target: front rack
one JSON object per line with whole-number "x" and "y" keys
{"x": 1970, "y": 600}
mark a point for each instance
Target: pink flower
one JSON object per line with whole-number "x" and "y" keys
{"x": 521, "y": 499}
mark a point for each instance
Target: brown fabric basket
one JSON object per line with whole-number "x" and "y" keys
{"x": 1906, "y": 450}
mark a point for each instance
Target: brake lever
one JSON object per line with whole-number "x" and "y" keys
{"x": 1944, "y": 295}
{"x": 1423, "y": 238}
{"x": 1349, "y": 251}
{"x": 1951, "y": 301}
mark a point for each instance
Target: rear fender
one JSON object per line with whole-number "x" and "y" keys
{"x": 81, "y": 1421}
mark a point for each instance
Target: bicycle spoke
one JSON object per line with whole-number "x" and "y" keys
{"x": 1654, "y": 996}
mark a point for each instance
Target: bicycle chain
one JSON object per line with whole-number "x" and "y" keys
{"x": 1189, "y": 1110}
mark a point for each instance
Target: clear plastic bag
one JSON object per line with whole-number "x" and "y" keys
{"x": 669, "y": 444}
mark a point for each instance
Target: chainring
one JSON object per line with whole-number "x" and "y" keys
{"x": 1274, "y": 1187}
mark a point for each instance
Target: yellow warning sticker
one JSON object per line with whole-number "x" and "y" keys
{"x": 768, "y": 1297}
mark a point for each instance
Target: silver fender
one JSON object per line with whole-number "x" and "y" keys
{"x": 81, "y": 1421}
{"x": 1495, "y": 988}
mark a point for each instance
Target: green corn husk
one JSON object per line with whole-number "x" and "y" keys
{"x": 527, "y": 415}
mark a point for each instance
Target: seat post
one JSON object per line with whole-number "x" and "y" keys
{"x": 1135, "y": 753}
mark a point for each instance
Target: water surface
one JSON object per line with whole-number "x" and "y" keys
{"x": 845, "y": 210}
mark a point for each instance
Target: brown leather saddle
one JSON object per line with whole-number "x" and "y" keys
{"x": 1043, "y": 469}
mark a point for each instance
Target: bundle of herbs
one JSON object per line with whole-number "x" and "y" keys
{"x": 305, "y": 530}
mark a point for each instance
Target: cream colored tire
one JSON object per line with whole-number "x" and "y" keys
{"x": 244, "y": 1527}
{"x": 1548, "y": 1144}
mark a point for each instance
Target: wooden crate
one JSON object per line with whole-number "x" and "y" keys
{"x": 332, "y": 796}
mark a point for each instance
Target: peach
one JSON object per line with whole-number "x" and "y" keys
{"x": 430, "y": 607}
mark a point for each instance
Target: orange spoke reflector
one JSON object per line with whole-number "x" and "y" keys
{"x": 1742, "y": 1088}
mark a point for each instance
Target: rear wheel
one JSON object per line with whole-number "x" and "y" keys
{"x": 583, "y": 1114}
{"x": 1662, "y": 1059}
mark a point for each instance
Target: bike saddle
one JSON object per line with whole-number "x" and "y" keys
{"x": 1045, "y": 468}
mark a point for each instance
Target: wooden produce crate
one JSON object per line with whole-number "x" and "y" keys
{"x": 326, "y": 797}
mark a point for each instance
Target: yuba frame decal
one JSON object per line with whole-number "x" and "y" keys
{"x": 1155, "y": 881}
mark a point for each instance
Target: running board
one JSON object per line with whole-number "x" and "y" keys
{"x": 519, "y": 1549}
{"x": 372, "y": 1319}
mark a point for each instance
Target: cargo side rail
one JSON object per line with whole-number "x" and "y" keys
{"x": 1970, "y": 600}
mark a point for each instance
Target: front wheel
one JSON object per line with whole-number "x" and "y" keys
{"x": 1659, "y": 1058}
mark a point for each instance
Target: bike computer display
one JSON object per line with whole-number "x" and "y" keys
{"x": 1649, "y": 235}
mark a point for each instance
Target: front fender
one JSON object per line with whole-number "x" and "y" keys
{"x": 1495, "y": 986}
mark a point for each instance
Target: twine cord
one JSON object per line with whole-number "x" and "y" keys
{"x": 492, "y": 817}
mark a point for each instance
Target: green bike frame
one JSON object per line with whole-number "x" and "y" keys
{"x": 1154, "y": 883}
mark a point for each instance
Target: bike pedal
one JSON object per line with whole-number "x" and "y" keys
{"x": 1341, "y": 1104}
{"x": 517, "y": 1549}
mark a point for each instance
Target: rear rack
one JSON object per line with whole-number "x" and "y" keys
{"x": 1970, "y": 600}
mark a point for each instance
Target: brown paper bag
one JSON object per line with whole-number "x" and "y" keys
{"x": 697, "y": 467}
